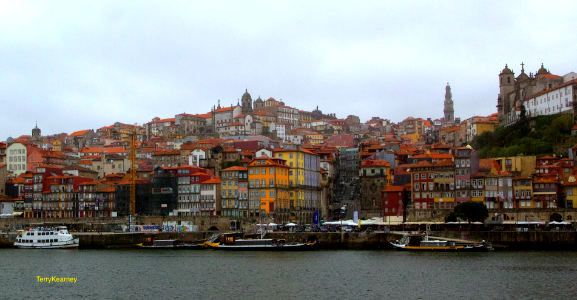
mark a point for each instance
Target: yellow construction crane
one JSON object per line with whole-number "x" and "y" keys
{"x": 132, "y": 135}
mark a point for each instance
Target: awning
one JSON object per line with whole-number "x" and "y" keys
{"x": 418, "y": 223}
{"x": 17, "y": 213}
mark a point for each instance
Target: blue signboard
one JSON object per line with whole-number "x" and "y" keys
{"x": 316, "y": 217}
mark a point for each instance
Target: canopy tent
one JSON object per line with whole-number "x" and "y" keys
{"x": 557, "y": 223}
{"x": 465, "y": 222}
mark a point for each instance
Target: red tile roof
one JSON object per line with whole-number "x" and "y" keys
{"x": 79, "y": 133}
{"x": 211, "y": 181}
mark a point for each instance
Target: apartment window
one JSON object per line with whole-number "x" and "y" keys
{"x": 263, "y": 182}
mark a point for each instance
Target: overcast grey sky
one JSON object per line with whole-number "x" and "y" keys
{"x": 75, "y": 65}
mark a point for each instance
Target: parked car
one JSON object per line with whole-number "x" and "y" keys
{"x": 347, "y": 229}
{"x": 332, "y": 229}
{"x": 324, "y": 229}
{"x": 369, "y": 229}
{"x": 357, "y": 229}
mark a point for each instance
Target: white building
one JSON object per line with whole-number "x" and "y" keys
{"x": 294, "y": 138}
{"x": 16, "y": 159}
{"x": 196, "y": 156}
{"x": 281, "y": 128}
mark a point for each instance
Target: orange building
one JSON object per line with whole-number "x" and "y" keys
{"x": 268, "y": 184}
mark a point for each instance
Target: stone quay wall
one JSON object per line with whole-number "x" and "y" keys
{"x": 517, "y": 214}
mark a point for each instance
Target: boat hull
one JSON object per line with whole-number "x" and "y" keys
{"x": 478, "y": 248}
{"x": 179, "y": 247}
{"x": 298, "y": 247}
{"x": 41, "y": 246}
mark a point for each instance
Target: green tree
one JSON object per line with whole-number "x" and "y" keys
{"x": 228, "y": 164}
{"x": 451, "y": 218}
{"x": 266, "y": 131}
{"x": 471, "y": 211}
{"x": 523, "y": 124}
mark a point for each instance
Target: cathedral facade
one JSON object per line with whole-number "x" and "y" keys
{"x": 513, "y": 91}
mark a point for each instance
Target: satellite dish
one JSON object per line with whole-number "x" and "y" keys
{"x": 571, "y": 178}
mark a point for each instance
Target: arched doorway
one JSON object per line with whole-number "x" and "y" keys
{"x": 555, "y": 218}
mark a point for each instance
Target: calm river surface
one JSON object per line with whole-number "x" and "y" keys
{"x": 209, "y": 274}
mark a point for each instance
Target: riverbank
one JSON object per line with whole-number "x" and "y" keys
{"x": 511, "y": 240}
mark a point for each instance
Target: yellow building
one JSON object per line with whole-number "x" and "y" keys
{"x": 265, "y": 117}
{"x": 268, "y": 183}
{"x": 478, "y": 127}
{"x": 570, "y": 188}
{"x": 518, "y": 165}
{"x": 304, "y": 182}
{"x": 57, "y": 146}
{"x": 231, "y": 196}
{"x": 414, "y": 137}
{"x": 314, "y": 138}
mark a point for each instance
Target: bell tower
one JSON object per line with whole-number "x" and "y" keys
{"x": 36, "y": 136}
{"x": 449, "y": 112}
{"x": 246, "y": 103}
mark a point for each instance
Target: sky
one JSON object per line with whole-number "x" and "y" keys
{"x": 75, "y": 65}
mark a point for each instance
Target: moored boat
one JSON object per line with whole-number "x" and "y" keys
{"x": 46, "y": 238}
{"x": 420, "y": 242}
{"x": 252, "y": 242}
{"x": 167, "y": 244}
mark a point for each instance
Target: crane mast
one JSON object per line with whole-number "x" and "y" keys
{"x": 133, "y": 172}
{"x": 132, "y": 156}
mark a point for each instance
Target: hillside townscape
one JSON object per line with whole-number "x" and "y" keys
{"x": 265, "y": 160}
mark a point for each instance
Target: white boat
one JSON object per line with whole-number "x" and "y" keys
{"x": 420, "y": 242}
{"x": 46, "y": 238}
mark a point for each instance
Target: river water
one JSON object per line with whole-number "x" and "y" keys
{"x": 209, "y": 274}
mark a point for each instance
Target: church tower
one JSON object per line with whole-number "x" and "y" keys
{"x": 246, "y": 103}
{"x": 36, "y": 136}
{"x": 449, "y": 113}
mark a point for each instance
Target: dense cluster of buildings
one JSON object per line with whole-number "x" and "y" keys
{"x": 264, "y": 159}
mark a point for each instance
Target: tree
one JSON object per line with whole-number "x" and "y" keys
{"x": 523, "y": 124}
{"x": 472, "y": 211}
{"x": 574, "y": 106}
{"x": 265, "y": 131}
